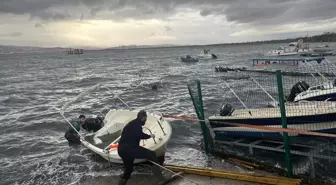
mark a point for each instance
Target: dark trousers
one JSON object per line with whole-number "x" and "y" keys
{"x": 72, "y": 138}
{"x": 129, "y": 153}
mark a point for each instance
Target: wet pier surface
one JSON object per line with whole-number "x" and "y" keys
{"x": 151, "y": 180}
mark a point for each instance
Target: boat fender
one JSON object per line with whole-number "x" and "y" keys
{"x": 226, "y": 110}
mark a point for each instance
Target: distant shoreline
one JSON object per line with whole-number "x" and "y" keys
{"x": 325, "y": 38}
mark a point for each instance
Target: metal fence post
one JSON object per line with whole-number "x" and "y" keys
{"x": 284, "y": 123}
{"x": 200, "y": 113}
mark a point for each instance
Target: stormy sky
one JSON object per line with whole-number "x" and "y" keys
{"x": 107, "y": 23}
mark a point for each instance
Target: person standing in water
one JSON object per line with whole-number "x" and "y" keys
{"x": 71, "y": 135}
{"x": 129, "y": 148}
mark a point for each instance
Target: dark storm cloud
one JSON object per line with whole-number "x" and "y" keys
{"x": 240, "y": 11}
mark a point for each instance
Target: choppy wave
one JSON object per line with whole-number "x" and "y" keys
{"x": 35, "y": 86}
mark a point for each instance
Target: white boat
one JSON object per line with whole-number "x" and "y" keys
{"x": 282, "y": 51}
{"x": 189, "y": 59}
{"x": 205, "y": 54}
{"x": 323, "y": 92}
{"x": 293, "y": 48}
{"x": 306, "y": 115}
{"x": 104, "y": 142}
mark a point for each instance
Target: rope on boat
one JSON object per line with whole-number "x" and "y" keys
{"x": 288, "y": 130}
{"x": 238, "y": 97}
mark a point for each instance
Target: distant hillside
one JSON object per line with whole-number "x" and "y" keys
{"x": 28, "y": 49}
{"x": 325, "y": 37}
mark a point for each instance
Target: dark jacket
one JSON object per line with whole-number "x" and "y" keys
{"x": 132, "y": 133}
{"x": 76, "y": 124}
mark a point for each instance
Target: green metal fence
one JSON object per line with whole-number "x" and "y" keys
{"x": 274, "y": 98}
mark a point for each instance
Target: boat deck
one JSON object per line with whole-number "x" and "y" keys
{"x": 106, "y": 139}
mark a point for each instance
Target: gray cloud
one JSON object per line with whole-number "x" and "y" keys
{"x": 38, "y": 25}
{"x": 257, "y": 12}
{"x": 15, "y": 34}
{"x": 168, "y": 28}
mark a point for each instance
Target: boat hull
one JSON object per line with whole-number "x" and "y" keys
{"x": 320, "y": 93}
{"x": 189, "y": 60}
{"x": 311, "y": 119}
{"x": 115, "y": 121}
{"x": 323, "y": 97}
{"x": 281, "y": 54}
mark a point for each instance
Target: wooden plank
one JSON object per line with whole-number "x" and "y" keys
{"x": 245, "y": 162}
{"x": 273, "y": 180}
{"x": 238, "y": 163}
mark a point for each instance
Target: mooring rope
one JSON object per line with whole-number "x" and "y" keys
{"x": 174, "y": 173}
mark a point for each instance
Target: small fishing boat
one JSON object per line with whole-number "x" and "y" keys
{"x": 205, "y": 54}
{"x": 302, "y": 116}
{"x": 282, "y": 51}
{"x": 293, "y": 48}
{"x": 188, "y": 58}
{"x": 104, "y": 141}
{"x": 306, "y": 115}
{"x": 324, "y": 92}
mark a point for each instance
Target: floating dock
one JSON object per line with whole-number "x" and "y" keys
{"x": 290, "y": 61}
{"x": 269, "y": 71}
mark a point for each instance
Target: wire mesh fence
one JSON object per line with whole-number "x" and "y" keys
{"x": 310, "y": 106}
{"x": 248, "y": 123}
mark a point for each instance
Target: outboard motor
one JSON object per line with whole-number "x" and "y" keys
{"x": 226, "y": 110}
{"x": 297, "y": 89}
{"x": 214, "y": 56}
{"x": 93, "y": 124}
